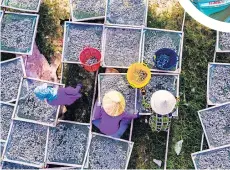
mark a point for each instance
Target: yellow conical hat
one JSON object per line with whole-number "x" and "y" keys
{"x": 113, "y": 103}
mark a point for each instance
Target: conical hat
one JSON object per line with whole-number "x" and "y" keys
{"x": 163, "y": 102}
{"x": 113, "y": 103}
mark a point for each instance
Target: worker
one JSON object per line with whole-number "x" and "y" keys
{"x": 59, "y": 95}
{"x": 111, "y": 118}
{"x": 163, "y": 104}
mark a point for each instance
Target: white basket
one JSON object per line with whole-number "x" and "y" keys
{"x": 209, "y": 102}
{"x": 21, "y": 9}
{"x": 105, "y": 44}
{"x": 33, "y": 36}
{"x": 66, "y": 39}
{"x": 180, "y": 49}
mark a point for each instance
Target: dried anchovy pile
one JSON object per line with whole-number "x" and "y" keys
{"x": 5, "y": 114}
{"x": 107, "y": 153}
{"x": 2, "y": 145}
{"x": 92, "y": 61}
{"x": 155, "y": 40}
{"x": 216, "y": 159}
{"x": 217, "y": 125}
{"x": 127, "y": 12}
{"x": 119, "y": 83}
{"x": 22, "y": 4}
{"x": 10, "y": 166}
{"x": 30, "y": 107}
{"x": 158, "y": 82}
{"x": 68, "y": 143}
{"x": 27, "y": 142}
{"x": 80, "y": 36}
{"x": 122, "y": 47}
{"x": 11, "y": 74}
{"x": 141, "y": 75}
{"x": 219, "y": 84}
{"x": 88, "y": 9}
{"x": 224, "y": 41}
{"x": 17, "y": 32}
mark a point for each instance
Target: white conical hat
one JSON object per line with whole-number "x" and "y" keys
{"x": 163, "y": 102}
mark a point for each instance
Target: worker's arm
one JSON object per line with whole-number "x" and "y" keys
{"x": 73, "y": 91}
{"x": 97, "y": 111}
{"x": 131, "y": 116}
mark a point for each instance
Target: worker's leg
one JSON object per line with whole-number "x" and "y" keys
{"x": 124, "y": 124}
{"x": 96, "y": 122}
{"x": 111, "y": 70}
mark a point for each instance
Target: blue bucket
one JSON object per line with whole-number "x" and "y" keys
{"x": 166, "y": 59}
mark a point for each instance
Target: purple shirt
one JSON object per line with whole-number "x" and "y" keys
{"x": 108, "y": 124}
{"x": 66, "y": 96}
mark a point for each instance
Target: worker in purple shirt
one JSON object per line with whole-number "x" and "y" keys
{"x": 111, "y": 118}
{"x": 58, "y": 95}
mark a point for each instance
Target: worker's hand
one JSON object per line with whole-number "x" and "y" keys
{"x": 137, "y": 113}
{"x": 78, "y": 87}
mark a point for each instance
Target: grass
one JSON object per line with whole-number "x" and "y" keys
{"x": 199, "y": 45}
{"x": 49, "y": 29}
{"x": 148, "y": 145}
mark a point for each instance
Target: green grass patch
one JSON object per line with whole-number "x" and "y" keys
{"x": 199, "y": 46}
{"x": 49, "y": 28}
{"x": 198, "y": 50}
